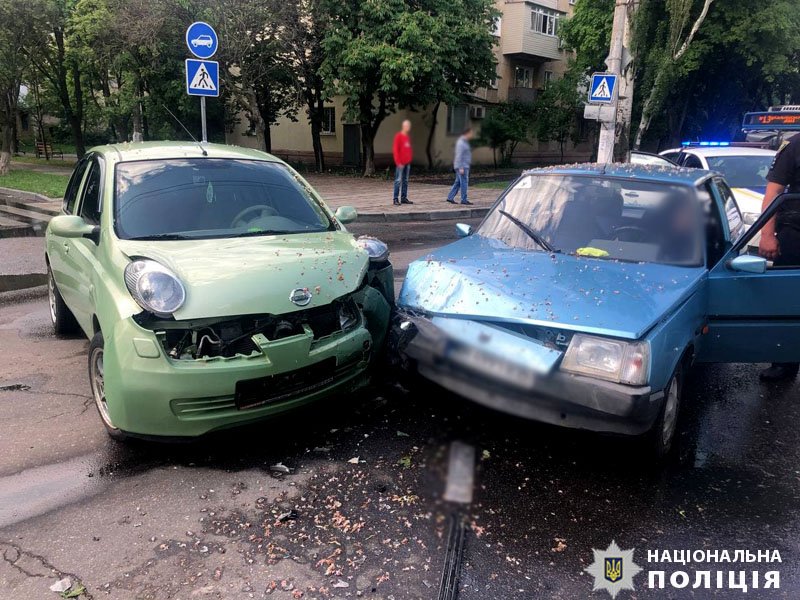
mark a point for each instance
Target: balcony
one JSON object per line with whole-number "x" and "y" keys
{"x": 522, "y": 94}
{"x": 521, "y": 41}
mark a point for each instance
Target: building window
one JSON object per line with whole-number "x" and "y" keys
{"x": 544, "y": 21}
{"x": 548, "y": 77}
{"x": 523, "y": 77}
{"x": 457, "y": 118}
{"x": 497, "y": 27}
{"x": 328, "y": 121}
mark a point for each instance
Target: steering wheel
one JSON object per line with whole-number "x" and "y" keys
{"x": 638, "y": 234}
{"x": 262, "y": 209}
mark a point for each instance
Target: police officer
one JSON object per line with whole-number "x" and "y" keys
{"x": 780, "y": 237}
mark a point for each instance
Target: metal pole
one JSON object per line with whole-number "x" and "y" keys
{"x": 608, "y": 131}
{"x": 203, "y": 117}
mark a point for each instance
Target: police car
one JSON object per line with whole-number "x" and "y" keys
{"x": 744, "y": 167}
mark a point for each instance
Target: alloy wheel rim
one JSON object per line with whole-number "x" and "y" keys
{"x": 51, "y": 297}
{"x": 670, "y": 413}
{"x": 97, "y": 381}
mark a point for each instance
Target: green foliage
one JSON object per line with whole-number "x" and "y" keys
{"x": 388, "y": 54}
{"x": 49, "y": 184}
{"x": 506, "y": 126}
{"x": 588, "y": 32}
{"x": 558, "y": 109}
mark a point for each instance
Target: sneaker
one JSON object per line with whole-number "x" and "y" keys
{"x": 780, "y": 371}
{"x": 406, "y": 201}
{"x": 396, "y": 202}
{"x": 466, "y": 202}
{"x": 450, "y": 201}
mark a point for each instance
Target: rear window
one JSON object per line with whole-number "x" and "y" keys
{"x": 212, "y": 198}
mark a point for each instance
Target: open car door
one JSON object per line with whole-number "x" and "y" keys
{"x": 753, "y": 307}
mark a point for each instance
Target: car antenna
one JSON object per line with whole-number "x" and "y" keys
{"x": 186, "y": 130}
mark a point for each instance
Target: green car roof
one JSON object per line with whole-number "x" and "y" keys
{"x": 165, "y": 150}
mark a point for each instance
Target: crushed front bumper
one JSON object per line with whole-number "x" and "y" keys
{"x": 419, "y": 345}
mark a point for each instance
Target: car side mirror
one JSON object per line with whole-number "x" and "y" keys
{"x": 73, "y": 226}
{"x": 748, "y": 263}
{"x": 346, "y": 214}
{"x": 463, "y": 230}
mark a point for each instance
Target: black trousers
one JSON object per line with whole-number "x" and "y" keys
{"x": 789, "y": 242}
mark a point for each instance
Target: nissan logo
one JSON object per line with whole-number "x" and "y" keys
{"x": 300, "y": 296}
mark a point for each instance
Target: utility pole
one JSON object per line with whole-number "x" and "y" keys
{"x": 625, "y": 106}
{"x": 608, "y": 130}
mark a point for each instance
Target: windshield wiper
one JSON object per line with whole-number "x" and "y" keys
{"x": 531, "y": 233}
{"x": 161, "y": 236}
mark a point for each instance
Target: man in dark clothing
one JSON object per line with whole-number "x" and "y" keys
{"x": 780, "y": 237}
{"x": 402, "y": 151}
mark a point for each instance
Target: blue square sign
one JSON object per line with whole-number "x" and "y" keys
{"x": 202, "y": 77}
{"x": 603, "y": 89}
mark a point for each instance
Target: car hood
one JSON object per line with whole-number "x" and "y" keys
{"x": 749, "y": 199}
{"x": 254, "y": 275}
{"x": 483, "y": 279}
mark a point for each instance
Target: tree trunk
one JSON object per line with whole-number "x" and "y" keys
{"x": 431, "y": 133}
{"x": 368, "y": 141}
{"x": 650, "y": 106}
{"x": 76, "y": 122}
{"x": 5, "y": 148}
{"x": 267, "y": 139}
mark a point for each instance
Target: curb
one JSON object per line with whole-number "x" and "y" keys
{"x": 12, "y": 283}
{"x": 30, "y": 195}
{"x": 431, "y": 215}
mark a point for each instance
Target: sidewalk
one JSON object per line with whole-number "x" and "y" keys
{"x": 22, "y": 263}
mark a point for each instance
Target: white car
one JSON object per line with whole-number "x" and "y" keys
{"x": 745, "y": 170}
{"x": 203, "y": 40}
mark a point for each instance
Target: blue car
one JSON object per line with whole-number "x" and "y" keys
{"x": 588, "y": 291}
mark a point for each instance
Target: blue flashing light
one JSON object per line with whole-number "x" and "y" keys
{"x": 706, "y": 144}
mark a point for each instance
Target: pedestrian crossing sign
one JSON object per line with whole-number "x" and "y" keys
{"x": 603, "y": 89}
{"x": 202, "y": 77}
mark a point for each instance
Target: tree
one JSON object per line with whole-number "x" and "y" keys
{"x": 668, "y": 61}
{"x": 13, "y": 38}
{"x": 557, "y": 109}
{"x": 305, "y": 26}
{"x": 384, "y": 55}
{"x": 506, "y": 125}
{"x": 259, "y": 76}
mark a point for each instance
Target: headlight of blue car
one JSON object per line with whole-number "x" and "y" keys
{"x": 612, "y": 360}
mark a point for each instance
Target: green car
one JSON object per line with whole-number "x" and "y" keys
{"x": 215, "y": 285}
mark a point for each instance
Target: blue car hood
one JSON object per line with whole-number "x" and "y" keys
{"x": 483, "y": 279}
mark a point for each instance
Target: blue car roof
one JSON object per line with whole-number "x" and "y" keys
{"x": 679, "y": 175}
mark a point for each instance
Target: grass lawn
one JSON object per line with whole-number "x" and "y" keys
{"x": 56, "y": 163}
{"x": 492, "y": 185}
{"x": 52, "y": 186}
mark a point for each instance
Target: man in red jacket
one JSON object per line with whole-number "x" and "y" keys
{"x": 402, "y": 160}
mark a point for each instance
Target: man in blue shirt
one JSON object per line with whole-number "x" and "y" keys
{"x": 461, "y": 164}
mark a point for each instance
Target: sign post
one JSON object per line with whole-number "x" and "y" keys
{"x": 602, "y": 107}
{"x": 202, "y": 76}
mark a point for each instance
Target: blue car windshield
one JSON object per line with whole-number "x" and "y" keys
{"x": 206, "y": 198}
{"x": 604, "y": 218}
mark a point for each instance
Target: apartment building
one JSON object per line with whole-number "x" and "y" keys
{"x": 529, "y": 54}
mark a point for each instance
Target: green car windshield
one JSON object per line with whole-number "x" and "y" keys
{"x": 600, "y": 217}
{"x": 212, "y": 198}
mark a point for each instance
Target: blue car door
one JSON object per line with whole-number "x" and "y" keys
{"x": 753, "y": 306}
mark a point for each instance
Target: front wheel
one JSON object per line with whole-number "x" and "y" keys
{"x": 661, "y": 437}
{"x": 97, "y": 383}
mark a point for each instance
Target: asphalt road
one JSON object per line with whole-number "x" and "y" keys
{"x": 212, "y": 519}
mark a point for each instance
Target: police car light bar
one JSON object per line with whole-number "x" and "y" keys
{"x": 782, "y": 120}
{"x": 705, "y": 144}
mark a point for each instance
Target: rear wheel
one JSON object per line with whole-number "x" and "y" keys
{"x": 661, "y": 437}
{"x": 97, "y": 383}
{"x": 64, "y": 322}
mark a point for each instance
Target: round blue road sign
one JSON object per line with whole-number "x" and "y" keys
{"x": 201, "y": 40}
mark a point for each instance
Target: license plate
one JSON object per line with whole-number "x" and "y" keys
{"x": 284, "y": 386}
{"x": 492, "y": 366}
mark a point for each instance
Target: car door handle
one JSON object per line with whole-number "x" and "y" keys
{"x": 66, "y": 247}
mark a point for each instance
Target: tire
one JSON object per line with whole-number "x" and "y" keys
{"x": 97, "y": 385}
{"x": 661, "y": 437}
{"x": 63, "y": 320}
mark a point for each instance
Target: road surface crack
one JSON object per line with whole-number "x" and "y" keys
{"x": 25, "y": 563}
